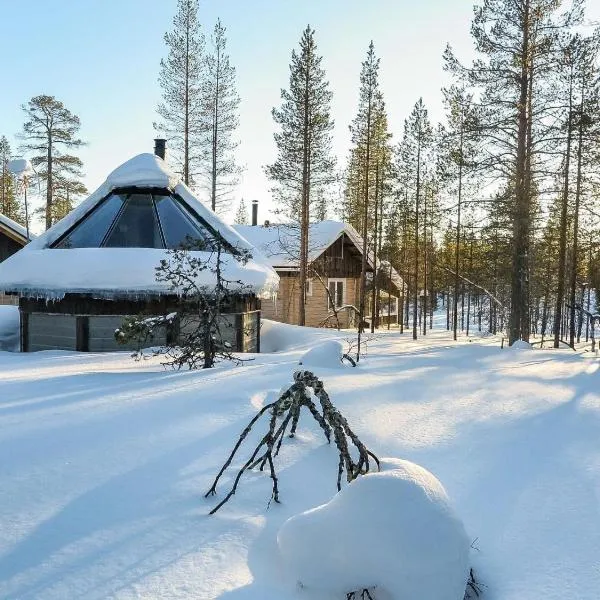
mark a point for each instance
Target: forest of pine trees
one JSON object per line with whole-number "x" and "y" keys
{"x": 492, "y": 215}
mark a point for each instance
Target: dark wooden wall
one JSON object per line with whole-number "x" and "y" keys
{"x": 340, "y": 260}
{"x": 8, "y": 246}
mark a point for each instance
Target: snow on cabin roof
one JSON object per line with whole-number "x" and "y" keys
{"x": 115, "y": 273}
{"x": 41, "y": 270}
{"x": 14, "y": 227}
{"x": 280, "y": 243}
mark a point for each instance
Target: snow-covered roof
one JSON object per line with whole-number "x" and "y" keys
{"x": 40, "y": 270}
{"x": 12, "y": 227}
{"x": 280, "y": 243}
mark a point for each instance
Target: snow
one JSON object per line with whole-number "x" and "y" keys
{"x": 521, "y": 345}
{"x": 14, "y": 227}
{"x": 115, "y": 273}
{"x": 327, "y": 355}
{"x": 9, "y": 328}
{"x": 110, "y": 272}
{"x": 106, "y": 461}
{"x": 394, "y": 531}
{"x": 20, "y": 167}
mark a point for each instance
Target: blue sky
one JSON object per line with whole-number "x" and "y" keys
{"x": 101, "y": 58}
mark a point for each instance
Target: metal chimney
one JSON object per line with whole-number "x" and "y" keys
{"x": 160, "y": 147}
{"x": 254, "y": 213}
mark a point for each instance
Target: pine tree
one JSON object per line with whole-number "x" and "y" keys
{"x": 9, "y": 204}
{"x": 457, "y": 144}
{"x": 413, "y": 156}
{"x": 241, "y": 216}
{"x": 518, "y": 44}
{"x": 50, "y": 130}
{"x": 304, "y": 163}
{"x": 363, "y": 160}
{"x": 220, "y": 104}
{"x": 180, "y": 77}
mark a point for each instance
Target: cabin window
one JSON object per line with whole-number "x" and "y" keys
{"x": 136, "y": 226}
{"x": 309, "y": 287}
{"x": 140, "y": 219}
{"x": 337, "y": 292}
{"x": 178, "y": 226}
{"x": 91, "y": 231}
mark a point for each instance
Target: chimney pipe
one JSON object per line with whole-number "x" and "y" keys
{"x": 160, "y": 146}
{"x": 254, "y": 213}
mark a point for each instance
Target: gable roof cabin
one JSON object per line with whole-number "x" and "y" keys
{"x": 78, "y": 280}
{"x": 12, "y": 238}
{"x": 335, "y": 261}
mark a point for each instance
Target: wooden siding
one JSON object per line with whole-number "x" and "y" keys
{"x": 51, "y": 332}
{"x": 7, "y": 299}
{"x": 95, "y": 333}
{"x": 286, "y": 308}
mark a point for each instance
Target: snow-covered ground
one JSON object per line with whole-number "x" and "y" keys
{"x": 105, "y": 462}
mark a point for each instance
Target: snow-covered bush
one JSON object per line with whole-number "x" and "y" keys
{"x": 392, "y": 532}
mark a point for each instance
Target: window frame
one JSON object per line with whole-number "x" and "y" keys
{"x": 336, "y": 281}
{"x": 152, "y": 191}
{"x": 309, "y": 286}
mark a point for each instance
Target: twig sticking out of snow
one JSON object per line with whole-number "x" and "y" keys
{"x": 288, "y": 406}
{"x": 365, "y": 594}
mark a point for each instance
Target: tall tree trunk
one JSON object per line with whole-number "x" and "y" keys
{"x": 562, "y": 252}
{"x": 457, "y": 242}
{"x": 519, "y": 312}
{"x": 365, "y": 230}
{"x": 575, "y": 256}
{"x": 215, "y": 134}
{"x": 186, "y": 117}
{"x": 304, "y": 214}
{"x": 50, "y": 181}
{"x": 374, "y": 307}
{"x": 418, "y": 198}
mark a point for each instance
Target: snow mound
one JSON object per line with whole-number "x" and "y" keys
{"x": 281, "y": 337}
{"x": 395, "y": 530}
{"x": 521, "y": 345}
{"x": 9, "y": 328}
{"x": 327, "y": 355}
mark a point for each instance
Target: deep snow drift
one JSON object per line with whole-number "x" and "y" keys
{"x": 394, "y": 530}
{"x": 106, "y": 460}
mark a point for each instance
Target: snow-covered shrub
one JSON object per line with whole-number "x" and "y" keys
{"x": 392, "y": 531}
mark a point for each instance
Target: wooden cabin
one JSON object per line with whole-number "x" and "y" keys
{"x": 12, "y": 238}
{"x": 78, "y": 281}
{"x": 333, "y": 287}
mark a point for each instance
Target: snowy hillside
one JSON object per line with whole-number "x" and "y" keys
{"x": 106, "y": 460}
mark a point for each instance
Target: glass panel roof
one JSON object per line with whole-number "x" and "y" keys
{"x": 140, "y": 219}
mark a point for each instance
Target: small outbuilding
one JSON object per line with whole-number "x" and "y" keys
{"x": 80, "y": 279}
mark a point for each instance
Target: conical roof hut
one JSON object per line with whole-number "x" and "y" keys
{"x": 78, "y": 280}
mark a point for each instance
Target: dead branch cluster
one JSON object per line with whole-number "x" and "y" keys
{"x": 284, "y": 415}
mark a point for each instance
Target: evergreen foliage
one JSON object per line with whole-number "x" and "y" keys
{"x": 48, "y": 133}
{"x": 9, "y": 203}
{"x": 180, "y": 78}
{"x": 304, "y": 166}
{"x": 220, "y": 104}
